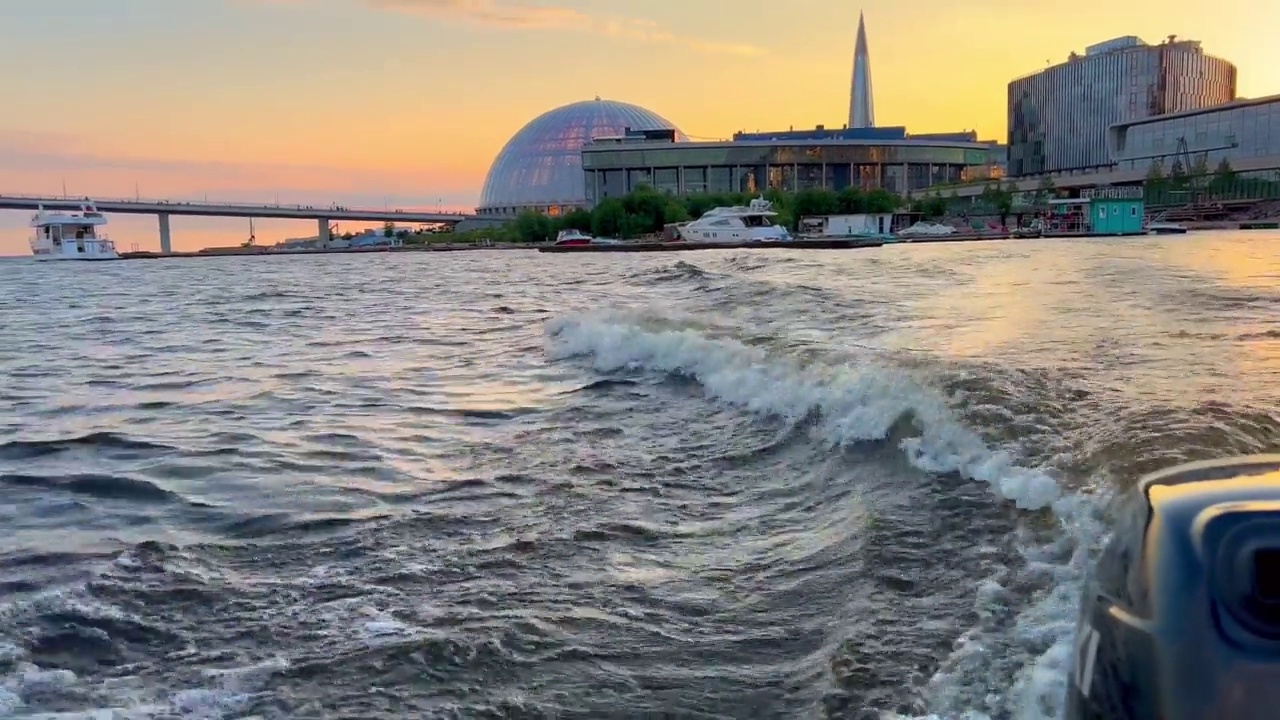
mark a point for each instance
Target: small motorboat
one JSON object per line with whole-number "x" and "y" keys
{"x": 1166, "y": 228}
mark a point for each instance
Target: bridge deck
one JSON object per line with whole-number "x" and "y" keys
{"x": 215, "y": 209}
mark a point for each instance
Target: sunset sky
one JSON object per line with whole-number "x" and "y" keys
{"x": 406, "y": 102}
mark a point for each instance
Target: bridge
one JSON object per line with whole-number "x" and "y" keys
{"x": 164, "y": 209}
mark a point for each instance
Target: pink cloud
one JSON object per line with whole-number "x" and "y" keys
{"x": 523, "y": 16}
{"x": 34, "y": 163}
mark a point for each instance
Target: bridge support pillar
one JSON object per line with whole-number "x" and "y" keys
{"x": 165, "y": 245}
{"x": 324, "y": 232}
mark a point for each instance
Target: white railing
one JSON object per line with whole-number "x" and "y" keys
{"x": 229, "y": 205}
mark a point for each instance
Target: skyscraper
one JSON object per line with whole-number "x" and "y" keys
{"x": 862, "y": 111}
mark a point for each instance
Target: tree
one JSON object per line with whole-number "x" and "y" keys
{"x": 999, "y": 199}
{"x": 815, "y": 201}
{"x": 1156, "y": 184}
{"x": 388, "y": 229}
{"x": 1224, "y": 177}
{"x": 699, "y": 203}
{"x": 851, "y": 201}
{"x": 534, "y": 227}
{"x": 577, "y": 219}
{"x": 931, "y": 206}
{"x": 1045, "y": 191}
{"x": 609, "y": 219}
{"x": 882, "y": 201}
{"x": 647, "y": 208}
{"x": 1004, "y": 204}
{"x": 1155, "y": 175}
{"x": 935, "y": 206}
{"x": 674, "y": 212}
{"x": 1201, "y": 167}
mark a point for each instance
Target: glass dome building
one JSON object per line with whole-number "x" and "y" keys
{"x": 540, "y": 167}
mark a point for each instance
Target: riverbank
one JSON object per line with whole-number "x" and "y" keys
{"x": 254, "y": 251}
{"x": 806, "y": 244}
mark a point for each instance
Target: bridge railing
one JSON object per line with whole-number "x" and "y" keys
{"x": 230, "y": 204}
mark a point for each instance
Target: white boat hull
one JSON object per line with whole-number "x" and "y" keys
{"x": 70, "y": 250}
{"x": 725, "y": 237}
{"x": 84, "y": 258}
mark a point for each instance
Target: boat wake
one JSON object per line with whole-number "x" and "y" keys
{"x": 837, "y": 487}
{"x": 1010, "y": 663}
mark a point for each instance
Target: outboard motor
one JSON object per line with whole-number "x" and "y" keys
{"x": 1180, "y": 619}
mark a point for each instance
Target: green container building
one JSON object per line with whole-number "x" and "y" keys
{"x": 1115, "y": 210}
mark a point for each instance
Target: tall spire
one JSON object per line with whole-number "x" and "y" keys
{"x": 861, "y": 105}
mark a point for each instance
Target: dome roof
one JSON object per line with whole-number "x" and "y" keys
{"x": 542, "y": 164}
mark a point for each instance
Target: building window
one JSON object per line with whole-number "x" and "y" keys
{"x": 695, "y": 180}
{"x": 638, "y": 177}
{"x": 719, "y": 180}
{"x": 667, "y": 180}
{"x": 775, "y": 178}
{"x": 809, "y": 177}
{"x": 1133, "y": 211}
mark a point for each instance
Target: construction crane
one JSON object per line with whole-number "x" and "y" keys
{"x": 1191, "y": 170}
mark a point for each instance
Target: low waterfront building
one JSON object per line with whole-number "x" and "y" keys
{"x": 1244, "y": 133}
{"x": 866, "y": 158}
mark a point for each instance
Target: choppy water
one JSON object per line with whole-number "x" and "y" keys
{"x": 732, "y": 484}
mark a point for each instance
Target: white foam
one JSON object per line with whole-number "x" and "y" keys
{"x": 855, "y": 403}
{"x": 1000, "y": 672}
{"x": 28, "y": 685}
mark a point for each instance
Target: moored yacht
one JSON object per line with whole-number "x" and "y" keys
{"x": 572, "y": 236}
{"x": 753, "y": 223}
{"x": 71, "y": 234}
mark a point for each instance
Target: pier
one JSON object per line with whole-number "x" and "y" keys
{"x": 164, "y": 209}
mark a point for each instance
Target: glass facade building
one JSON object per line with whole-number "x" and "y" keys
{"x": 1059, "y": 118}
{"x": 1242, "y": 133}
{"x": 540, "y": 167}
{"x": 901, "y": 166}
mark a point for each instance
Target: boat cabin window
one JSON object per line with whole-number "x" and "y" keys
{"x": 757, "y": 221}
{"x": 721, "y": 223}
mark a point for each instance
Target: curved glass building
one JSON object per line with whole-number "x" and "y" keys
{"x": 540, "y": 167}
{"x": 1059, "y": 117}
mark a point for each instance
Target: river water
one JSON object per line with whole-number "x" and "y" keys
{"x": 770, "y": 484}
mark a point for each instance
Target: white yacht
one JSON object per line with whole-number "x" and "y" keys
{"x": 738, "y": 224}
{"x": 573, "y": 236}
{"x": 927, "y": 228}
{"x": 71, "y": 234}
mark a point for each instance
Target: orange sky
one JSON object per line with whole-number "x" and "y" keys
{"x": 408, "y": 101}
